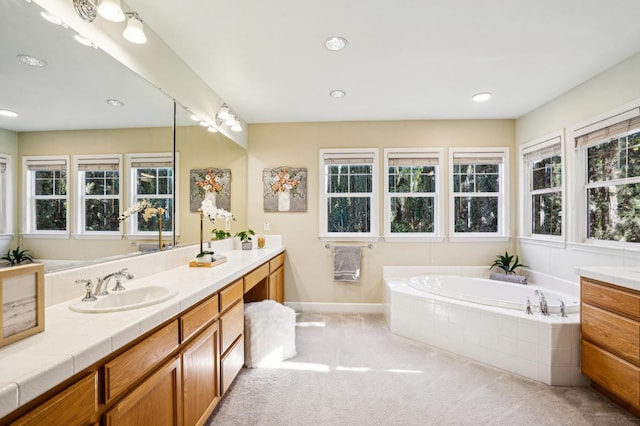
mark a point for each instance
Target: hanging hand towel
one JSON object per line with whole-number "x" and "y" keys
{"x": 346, "y": 263}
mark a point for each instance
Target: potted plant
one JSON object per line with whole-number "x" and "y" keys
{"x": 245, "y": 238}
{"x": 220, "y": 234}
{"x": 508, "y": 263}
{"x": 17, "y": 256}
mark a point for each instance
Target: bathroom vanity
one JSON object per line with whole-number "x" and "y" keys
{"x": 610, "y": 327}
{"x": 164, "y": 364}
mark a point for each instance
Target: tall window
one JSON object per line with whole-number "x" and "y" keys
{"x": 543, "y": 187}
{"x": 478, "y": 192}
{"x": 612, "y": 187}
{"x": 46, "y": 195}
{"x": 348, "y": 190}
{"x": 411, "y": 193}
{"x": 5, "y": 194}
{"x": 152, "y": 180}
{"x": 99, "y": 193}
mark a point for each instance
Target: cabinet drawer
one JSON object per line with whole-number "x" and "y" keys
{"x": 231, "y": 326}
{"x": 612, "y": 332}
{"x": 276, "y": 262}
{"x": 255, "y": 276}
{"x": 75, "y": 405}
{"x": 127, "y": 368}
{"x": 198, "y": 318}
{"x": 230, "y": 295}
{"x": 232, "y": 362}
{"x": 621, "y": 301}
{"x": 614, "y": 374}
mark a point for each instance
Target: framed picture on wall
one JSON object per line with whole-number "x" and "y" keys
{"x": 211, "y": 183}
{"x": 285, "y": 189}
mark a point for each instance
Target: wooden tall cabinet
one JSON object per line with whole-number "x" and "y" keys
{"x": 610, "y": 326}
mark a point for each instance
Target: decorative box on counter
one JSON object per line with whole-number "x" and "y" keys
{"x": 22, "y": 297}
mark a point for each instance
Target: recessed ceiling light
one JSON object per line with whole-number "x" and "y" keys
{"x": 335, "y": 43}
{"x": 337, "y": 93}
{"x": 32, "y": 60}
{"x": 8, "y": 113}
{"x": 115, "y": 102}
{"x": 481, "y": 97}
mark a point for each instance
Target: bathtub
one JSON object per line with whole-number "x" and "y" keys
{"x": 494, "y": 293}
{"x": 460, "y": 311}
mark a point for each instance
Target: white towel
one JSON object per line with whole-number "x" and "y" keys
{"x": 346, "y": 263}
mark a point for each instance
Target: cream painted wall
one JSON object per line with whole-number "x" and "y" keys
{"x": 309, "y": 268}
{"x": 607, "y": 91}
{"x": 9, "y": 145}
{"x": 196, "y": 148}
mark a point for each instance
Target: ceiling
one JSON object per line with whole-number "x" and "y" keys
{"x": 405, "y": 59}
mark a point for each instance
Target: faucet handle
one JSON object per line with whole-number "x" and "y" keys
{"x": 563, "y": 313}
{"x": 88, "y": 296}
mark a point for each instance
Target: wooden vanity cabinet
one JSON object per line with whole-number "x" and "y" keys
{"x": 231, "y": 333}
{"x": 610, "y": 326}
{"x": 276, "y": 278}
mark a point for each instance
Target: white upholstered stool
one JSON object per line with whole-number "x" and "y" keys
{"x": 269, "y": 333}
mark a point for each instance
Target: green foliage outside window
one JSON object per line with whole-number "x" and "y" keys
{"x": 414, "y": 212}
{"x": 50, "y": 187}
{"x": 476, "y": 213}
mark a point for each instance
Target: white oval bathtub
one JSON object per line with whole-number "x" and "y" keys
{"x": 493, "y": 293}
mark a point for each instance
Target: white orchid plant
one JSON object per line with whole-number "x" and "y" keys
{"x": 145, "y": 207}
{"x": 213, "y": 213}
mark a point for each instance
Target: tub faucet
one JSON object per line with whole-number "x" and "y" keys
{"x": 544, "y": 307}
{"x": 101, "y": 286}
{"x": 528, "y": 310}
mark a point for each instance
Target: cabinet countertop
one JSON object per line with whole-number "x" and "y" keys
{"x": 627, "y": 277}
{"x": 73, "y": 341}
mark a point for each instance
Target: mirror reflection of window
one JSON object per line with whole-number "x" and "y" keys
{"x": 46, "y": 194}
{"x": 99, "y": 190}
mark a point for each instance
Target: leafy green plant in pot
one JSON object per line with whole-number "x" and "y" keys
{"x": 245, "y": 238}
{"x": 507, "y": 263}
{"x": 17, "y": 256}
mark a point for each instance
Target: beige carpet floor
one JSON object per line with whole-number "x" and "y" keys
{"x": 350, "y": 370}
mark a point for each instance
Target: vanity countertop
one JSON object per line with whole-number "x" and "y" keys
{"x": 73, "y": 341}
{"x": 627, "y": 277}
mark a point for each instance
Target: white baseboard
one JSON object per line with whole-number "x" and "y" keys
{"x": 337, "y": 308}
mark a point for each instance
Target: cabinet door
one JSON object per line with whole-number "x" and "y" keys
{"x": 73, "y": 406}
{"x": 201, "y": 376}
{"x": 156, "y": 401}
{"x": 276, "y": 285}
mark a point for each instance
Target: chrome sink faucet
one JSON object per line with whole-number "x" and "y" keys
{"x": 88, "y": 296}
{"x": 544, "y": 307}
{"x": 101, "y": 286}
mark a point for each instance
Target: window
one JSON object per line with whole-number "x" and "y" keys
{"x": 543, "y": 190}
{"x": 98, "y": 194}
{"x": 611, "y": 160}
{"x": 349, "y": 204}
{"x": 412, "y": 202}
{"x": 46, "y": 199}
{"x": 151, "y": 180}
{"x": 479, "y": 193}
{"x": 5, "y": 194}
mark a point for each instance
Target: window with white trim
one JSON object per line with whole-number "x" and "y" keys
{"x": 151, "y": 180}
{"x": 99, "y": 192}
{"x": 348, "y": 188}
{"x": 479, "y": 192}
{"x": 542, "y": 165}
{"x": 5, "y": 194}
{"x": 611, "y": 160}
{"x": 412, "y": 185}
{"x": 46, "y": 195}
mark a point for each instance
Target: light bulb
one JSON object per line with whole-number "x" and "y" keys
{"x": 111, "y": 10}
{"x": 134, "y": 32}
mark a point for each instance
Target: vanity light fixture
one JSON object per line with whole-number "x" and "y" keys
{"x": 337, "y": 93}
{"x": 115, "y": 102}
{"x": 31, "y": 60}
{"x": 231, "y": 120}
{"x": 111, "y": 10}
{"x": 8, "y": 113}
{"x": 481, "y": 97}
{"x": 335, "y": 43}
{"x": 134, "y": 31}
{"x": 224, "y": 112}
{"x": 236, "y": 127}
{"x": 227, "y": 117}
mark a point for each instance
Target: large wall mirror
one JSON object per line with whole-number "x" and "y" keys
{"x": 78, "y": 105}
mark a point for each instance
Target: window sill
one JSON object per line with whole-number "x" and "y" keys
{"x": 371, "y": 239}
{"x": 6, "y": 236}
{"x": 542, "y": 242}
{"x": 608, "y": 248}
{"x": 414, "y": 239}
{"x": 479, "y": 239}
{"x": 46, "y": 236}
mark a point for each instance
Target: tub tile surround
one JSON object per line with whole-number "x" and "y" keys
{"x": 73, "y": 341}
{"x": 545, "y": 349}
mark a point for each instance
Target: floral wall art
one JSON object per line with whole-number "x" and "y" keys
{"x": 212, "y": 184}
{"x": 285, "y": 189}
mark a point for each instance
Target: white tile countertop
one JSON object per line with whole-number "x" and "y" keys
{"x": 73, "y": 341}
{"x": 627, "y": 277}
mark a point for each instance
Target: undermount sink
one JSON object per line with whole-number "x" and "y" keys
{"x": 124, "y": 300}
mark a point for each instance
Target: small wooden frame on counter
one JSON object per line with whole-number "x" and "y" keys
{"x": 22, "y": 301}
